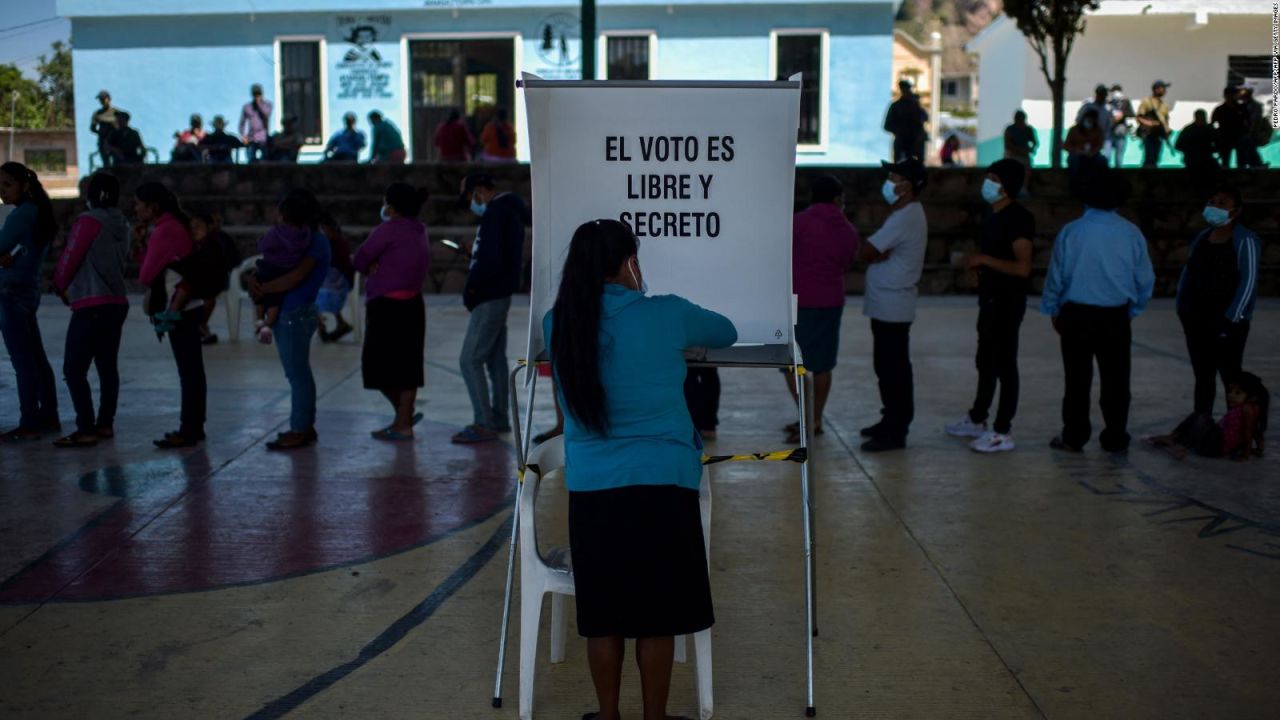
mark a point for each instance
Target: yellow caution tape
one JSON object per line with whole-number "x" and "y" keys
{"x": 798, "y": 455}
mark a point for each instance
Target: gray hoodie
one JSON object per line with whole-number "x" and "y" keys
{"x": 91, "y": 268}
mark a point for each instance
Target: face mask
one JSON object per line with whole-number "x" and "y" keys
{"x": 477, "y": 207}
{"x": 640, "y": 283}
{"x": 890, "y": 192}
{"x": 992, "y": 191}
{"x": 1216, "y": 216}
{"x": 384, "y": 214}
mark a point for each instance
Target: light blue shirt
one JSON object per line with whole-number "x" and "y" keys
{"x": 651, "y": 439}
{"x": 1100, "y": 259}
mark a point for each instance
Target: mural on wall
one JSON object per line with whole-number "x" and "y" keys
{"x": 362, "y": 72}
{"x": 559, "y": 47}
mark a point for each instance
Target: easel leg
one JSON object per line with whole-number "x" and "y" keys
{"x": 804, "y": 392}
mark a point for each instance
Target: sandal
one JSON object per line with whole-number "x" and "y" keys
{"x": 472, "y": 434}
{"x": 77, "y": 440}
{"x": 175, "y": 441}
{"x": 389, "y": 435}
{"x": 19, "y": 435}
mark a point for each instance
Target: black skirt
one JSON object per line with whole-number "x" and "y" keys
{"x": 394, "y": 340}
{"x": 639, "y": 562}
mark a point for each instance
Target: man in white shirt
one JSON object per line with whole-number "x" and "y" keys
{"x": 895, "y": 254}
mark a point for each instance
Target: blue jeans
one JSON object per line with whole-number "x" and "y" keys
{"x": 37, "y": 391}
{"x": 293, "y": 333}
{"x": 1117, "y": 149}
{"x": 485, "y": 347}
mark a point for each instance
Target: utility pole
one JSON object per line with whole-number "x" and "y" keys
{"x": 935, "y": 91}
{"x": 588, "y": 39}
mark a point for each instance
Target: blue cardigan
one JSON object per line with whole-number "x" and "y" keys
{"x": 1247, "y": 254}
{"x": 651, "y": 439}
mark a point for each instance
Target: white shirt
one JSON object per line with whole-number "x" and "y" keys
{"x": 891, "y": 283}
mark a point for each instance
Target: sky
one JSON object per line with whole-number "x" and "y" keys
{"x": 27, "y": 29}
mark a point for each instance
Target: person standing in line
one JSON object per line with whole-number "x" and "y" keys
{"x": 25, "y": 237}
{"x": 125, "y": 144}
{"x": 298, "y": 318}
{"x": 1002, "y": 267}
{"x": 633, "y": 461}
{"x": 905, "y": 120}
{"x": 346, "y": 144}
{"x": 498, "y": 139}
{"x": 1216, "y": 294}
{"x": 497, "y": 257}
{"x": 895, "y": 254}
{"x": 1153, "y": 124}
{"x": 386, "y": 146}
{"x": 1103, "y": 118}
{"x": 453, "y": 140}
{"x": 163, "y": 230}
{"x": 824, "y": 245}
{"x": 1230, "y": 124}
{"x": 90, "y": 279}
{"x": 255, "y": 124}
{"x": 1099, "y": 279}
{"x": 1121, "y": 123}
{"x": 102, "y": 124}
{"x": 396, "y": 258}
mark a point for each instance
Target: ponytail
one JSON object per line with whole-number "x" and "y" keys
{"x": 46, "y": 227}
{"x": 164, "y": 199}
{"x": 597, "y": 251}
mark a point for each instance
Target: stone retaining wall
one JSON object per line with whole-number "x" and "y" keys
{"x": 1166, "y": 204}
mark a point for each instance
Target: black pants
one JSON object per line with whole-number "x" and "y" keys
{"x": 908, "y": 147}
{"x": 702, "y": 395}
{"x": 999, "y": 321}
{"x": 1090, "y": 333}
{"x": 1151, "y": 147}
{"x": 93, "y": 338}
{"x": 188, "y": 354}
{"x": 891, "y": 357}
{"x": 1216, "y": 349}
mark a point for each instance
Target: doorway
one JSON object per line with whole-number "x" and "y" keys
{"x": 472, "y": 77}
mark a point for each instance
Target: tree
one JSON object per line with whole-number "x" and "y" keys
{"x": 1051, "y": 26}
{"x": 31, "y": 103}
{"x": 55, "y": 82}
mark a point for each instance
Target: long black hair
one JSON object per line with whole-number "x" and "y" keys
{"x": 300, "y": 207}
{"x": 46, "y": 227}
{"x": 164, "y": 199}
{"x": 1255, "y": 392}
{"x": 597, "y": 251}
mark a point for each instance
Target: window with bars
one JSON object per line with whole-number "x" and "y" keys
{"x": 803, "y": 54}
{"x": 300, "y": 87}
{"x": 626, "y": 57}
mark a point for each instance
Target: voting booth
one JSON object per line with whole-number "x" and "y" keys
{"x": 703, "y": 172}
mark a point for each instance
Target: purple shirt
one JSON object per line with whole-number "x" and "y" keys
{"x": 253, "y": 126}
{"x": 823, "y": 246}
{"x": 402, "y": 252}
{"x": 284, "y": 245}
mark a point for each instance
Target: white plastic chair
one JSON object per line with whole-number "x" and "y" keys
{"x": 540, "y": 575}
{"x": 355, "y": 307}
{"x": 236, "y": 296}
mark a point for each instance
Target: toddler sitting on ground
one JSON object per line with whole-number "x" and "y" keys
{"x": 1238, "y": 435}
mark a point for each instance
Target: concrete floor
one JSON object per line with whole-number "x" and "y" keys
{"x": 363, "y": 580}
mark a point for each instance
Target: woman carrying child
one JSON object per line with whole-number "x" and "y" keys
{"x": 163, "y": 229}
{"x": 294, "y": 319}
{"x": 396, "y": 258}
{"x": 90, "y": 279}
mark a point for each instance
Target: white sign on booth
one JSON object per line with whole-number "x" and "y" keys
{"x": 702, "y": 172}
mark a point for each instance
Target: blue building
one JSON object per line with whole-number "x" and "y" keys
{"x": 417, "y": 60}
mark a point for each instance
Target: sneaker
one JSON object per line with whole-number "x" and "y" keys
{"x": 264, "y": 334}
{"x": 966, "y": 427}
{"x": 992, "y": 442}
